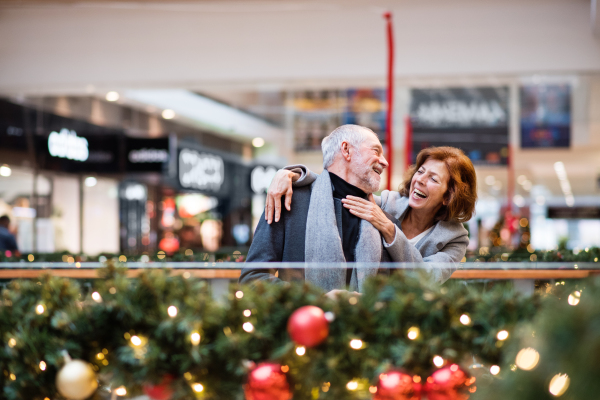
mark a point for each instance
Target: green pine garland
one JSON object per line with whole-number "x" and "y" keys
{"x": 100, "y": 332}
{"x": 522, "y": 253}
{"x": 566, "y": 334}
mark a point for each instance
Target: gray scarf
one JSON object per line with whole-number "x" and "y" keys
{"x": 324, "y": 245}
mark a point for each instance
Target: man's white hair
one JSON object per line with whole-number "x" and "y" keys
{"x": 331, "y": 145}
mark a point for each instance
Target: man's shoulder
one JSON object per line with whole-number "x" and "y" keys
{"x": 302, "y": 193}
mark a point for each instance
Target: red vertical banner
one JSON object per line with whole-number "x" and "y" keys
{"x": 408, "y": 143}
{"x": 390, "y": 99}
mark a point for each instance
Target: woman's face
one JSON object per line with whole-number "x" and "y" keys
{"x": 428, "y": 186}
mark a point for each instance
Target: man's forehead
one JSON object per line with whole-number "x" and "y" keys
{"x": 371, "y": 138}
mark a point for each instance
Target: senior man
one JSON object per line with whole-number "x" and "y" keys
{"x": 318, "y": 229}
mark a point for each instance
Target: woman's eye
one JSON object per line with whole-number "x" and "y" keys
{"x": 433, "y": 179}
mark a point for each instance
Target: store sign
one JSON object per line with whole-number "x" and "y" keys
{"x": 261, "y": 177}
{"x": 473, "y": 119}
{"x": 66, "y": 144}
{"x": 148, "y": 156}
{"x": 201, "y": 171}
{"x": 590, "y": 212}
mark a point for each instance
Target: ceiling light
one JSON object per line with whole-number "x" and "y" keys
{"x": 490, "y": 180}
{"x": 112, "y": 96}
{"x": 565, "y": 186}
{"x": 527, "y": 185}
{"x": 521, "y": 179}
{"x": 258, "y": 142}
{"x": 90, "y": 181}
{"x": 168, "y": 114}
{"x": 5, "y": 170}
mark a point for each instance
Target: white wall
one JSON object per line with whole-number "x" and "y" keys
{"x": 65, "y": 201}
{"x": 202, "y": 44}
{"x": 101, "y": 218}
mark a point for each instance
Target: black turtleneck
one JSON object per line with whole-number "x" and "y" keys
{"x": 350, "y": 222}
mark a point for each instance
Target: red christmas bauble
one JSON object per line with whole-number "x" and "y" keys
{"x": 396, "y": 385}
{"x": 308, "y": 326}
{"x": 161, "y": 391}
{"x": 448, "y": 383}
{"x": 267, "y": 382}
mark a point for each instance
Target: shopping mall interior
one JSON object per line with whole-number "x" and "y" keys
{"x": 188, "y": 108}
{"x": 143, "y": 148}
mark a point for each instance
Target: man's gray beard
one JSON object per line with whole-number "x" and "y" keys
{"x": 362, "y": 171}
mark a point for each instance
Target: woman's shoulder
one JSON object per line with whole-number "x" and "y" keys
{"x": 452, "y": 229}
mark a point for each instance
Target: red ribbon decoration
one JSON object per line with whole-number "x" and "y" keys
{"x": 390, "y": 98}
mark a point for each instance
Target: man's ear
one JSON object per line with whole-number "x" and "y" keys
{"x": 346, "y": 151}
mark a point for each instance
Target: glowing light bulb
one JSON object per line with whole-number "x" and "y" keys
{"x": 352, "y": 385}
{"x": 258, "y": 142}
{"x": 247, "y": 313}
{"x": 172, "y": 311}
{"x": 195, "y": 337}
{"x": 356, "y": 344}
{"x": 248, "y": 327}
{"x": 465, "y": 319}
{"x": 559, "y": 384}
{"x": 300, "y": 350}
{"x": 574, "y": 298}
{"x": 42, "y": 365}
{"x": 239, "y": 294}
{"x": 502, "y": 335}
{"x": 527, "y": 358}
{"x": 438, "y": 361}
{"x": 494, "y": 370}
{"x": 136, "y": 341}
{"x": 12, "y": 342}
{"x": 197, "y": 387}
{"x": 121, "y": 391}
{"x": 39, "y": 309}
{"x": 96, "y": 297}
{"x": 413, "y": 333}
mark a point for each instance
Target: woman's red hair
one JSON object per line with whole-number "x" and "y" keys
{"x": 462, "y": 186}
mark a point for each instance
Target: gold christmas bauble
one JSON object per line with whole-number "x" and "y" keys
{"x": 76, "y": 380}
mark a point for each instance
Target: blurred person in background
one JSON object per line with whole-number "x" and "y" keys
{"x": 7, "y": 239}
{"x": 438, "y": 194}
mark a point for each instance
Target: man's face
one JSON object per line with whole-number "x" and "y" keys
{"x": 367, "y": 163}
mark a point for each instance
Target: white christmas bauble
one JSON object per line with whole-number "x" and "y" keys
{"x": 76, "y": 380}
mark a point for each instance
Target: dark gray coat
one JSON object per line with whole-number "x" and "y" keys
{"x": 311, "y": 232}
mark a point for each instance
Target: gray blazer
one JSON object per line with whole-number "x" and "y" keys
{"x": 311, "y": 232}
{"x": 446, "y": 243}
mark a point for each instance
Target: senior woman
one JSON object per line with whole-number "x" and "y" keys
{"x": 437, "y": 196}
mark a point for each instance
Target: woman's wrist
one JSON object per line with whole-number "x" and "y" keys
{"x": 389, "y": 232}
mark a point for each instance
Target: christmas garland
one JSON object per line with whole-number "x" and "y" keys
{"x": 165, "y": 335}
{"x": 484, "y": 254}
{"x": 555, "y": 354}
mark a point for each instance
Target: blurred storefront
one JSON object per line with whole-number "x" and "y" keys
{"x": 70, "y": 185}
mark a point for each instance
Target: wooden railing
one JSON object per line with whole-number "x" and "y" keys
{"x": 232, "y": 270}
